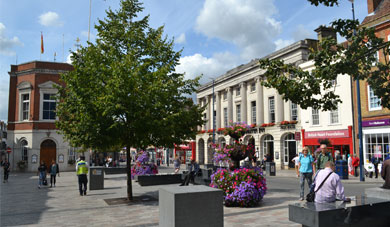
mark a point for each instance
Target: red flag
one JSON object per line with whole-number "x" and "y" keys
{"x": 42, "y": 49}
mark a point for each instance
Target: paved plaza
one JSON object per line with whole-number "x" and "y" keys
{"x": 22, "y": 203}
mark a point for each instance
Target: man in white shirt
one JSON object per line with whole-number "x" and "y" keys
{"x": 296, "y": 162}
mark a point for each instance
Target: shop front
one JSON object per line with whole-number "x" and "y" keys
{"x": 376, "y": 140}
{"x": 186, "y": 152}
{"x": 340, "y": 140}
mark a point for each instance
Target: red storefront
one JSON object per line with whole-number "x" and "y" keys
{"x": 340, "y": 140}
{"x": 186, "y": 151}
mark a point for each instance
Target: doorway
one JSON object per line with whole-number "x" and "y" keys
{"x": 48, "y": 152}
{"x": 290, "y": 149}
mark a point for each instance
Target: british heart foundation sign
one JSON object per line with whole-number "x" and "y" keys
{"x": 327, "y": 134}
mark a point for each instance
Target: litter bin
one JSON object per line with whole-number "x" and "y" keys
{"x": 270, "y": 168}
{"x": 96, "y": 177}
{"x": 342, "y": 169}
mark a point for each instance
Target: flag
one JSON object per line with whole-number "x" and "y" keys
{"x": 42, "y": 49}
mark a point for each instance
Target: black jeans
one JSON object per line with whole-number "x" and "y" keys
{"x": 52, "y": 178}
{"x": 189, "y": 177}
{"x": 356, "y": 171}
{"x": 6, "y": 174}
{"x": 83, "y": 180}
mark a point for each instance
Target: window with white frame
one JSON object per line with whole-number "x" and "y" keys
{"x": 225, "y": 117}
{"x": 271, "y": 106}
{"x": 253, "y": 87}
{"x": 315, "y": 117}
{"x": 72, "y": 153}
{"x": 373, "y": 100}
{"x": 334, "y": 116}
{"x": 238, "y": 91}
{"x": 225, "y": 95}
{"x": 24, "y": 147}
{"x": 205, "y": 120}
{"x": 253, "y": 110}
{"x": 25, "y": 107}
{"x": 49, "y": 107}
{"x": 238, "y": 113}
{"x": 334, "y": 82}
{"x": 294, "y": 111}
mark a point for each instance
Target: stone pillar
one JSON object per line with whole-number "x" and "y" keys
{"x": 279, "y": 108}
{"x": 230, "y": 104}
{"x": 219, "y": 112}
{"x": 259, "y": 102}
{"x": 244, "y": 109}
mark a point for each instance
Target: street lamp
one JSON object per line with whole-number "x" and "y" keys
{"x": 360, "y": 134}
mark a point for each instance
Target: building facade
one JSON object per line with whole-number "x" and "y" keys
{"x": 32, "y": 134}
{"x": 240, "y": 97}
{"x": 375, "y": 118}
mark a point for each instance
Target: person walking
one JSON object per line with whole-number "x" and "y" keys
{"x": 82, "y": 171}
{"x": 42, "y": 170}
{"x": 355, "y": 164}
{"x": 350, "y": 167}
{"x": 375, "y": 161}
{"x": 176, "y": 164}
{"x": 323, "y": 157}
{"x": 332, "y": 189}
{"x": 54, "y": 171}
{"x": 306, "y": 169}
{"x": 295, "y": 160}
{"x": 7, "y": 169}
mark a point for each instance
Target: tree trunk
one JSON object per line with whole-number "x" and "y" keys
{"x": 128, "y": 165}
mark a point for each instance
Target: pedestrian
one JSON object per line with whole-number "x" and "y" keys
{"x": 331, "y": 189}
{"x": 295, "y": 160}
{"x": 350, "y": 167}
{"x": 42, "y": 170}
{"x": 7, "y": 169}
{"x": 194, "y": 169}
{"x": 323, "y": 157}
{"x": 82, "y": 171}
{"x": 375, "y": 161}
{"x": 176, "y": 164}
{"x": 355, "y": 164}
{"x": 54, "y": 171}
{"x": 385, "y": 173}
{"x": 370, "y": 169}
{"x": 306, "y": 169}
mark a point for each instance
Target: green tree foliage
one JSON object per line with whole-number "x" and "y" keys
{"x": 123, "y": 89}
{"x": 357, "y": 59}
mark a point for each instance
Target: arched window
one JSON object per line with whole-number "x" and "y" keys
{"x": 23, "y": 145}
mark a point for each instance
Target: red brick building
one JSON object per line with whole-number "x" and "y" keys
{"x": 32, "y": 134}
{"x": 375, "y": 118}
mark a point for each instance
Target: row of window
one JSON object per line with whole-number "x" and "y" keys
{"x": 48, "y": 107}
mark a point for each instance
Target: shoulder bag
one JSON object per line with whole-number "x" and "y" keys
{"x": 312, "y": 194}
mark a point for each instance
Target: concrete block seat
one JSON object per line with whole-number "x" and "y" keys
{"x": 158, "y": 179}
{"x": 201, "y": 178}
{"x": 360, "y": 212}
{"x": 380, "y": 193}
{"x": 191, "y": 206}
{"x": 115, "y": 170}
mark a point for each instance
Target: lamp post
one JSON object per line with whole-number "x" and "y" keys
{"x": 213, "y": 113}
{"x": 360, "y": 131}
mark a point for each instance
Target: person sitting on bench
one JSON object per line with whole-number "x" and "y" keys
{"x": 194, "y": 169}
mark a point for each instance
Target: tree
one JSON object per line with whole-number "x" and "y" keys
{"x": 123, "y": 89}
{"x": 315, "y": 89}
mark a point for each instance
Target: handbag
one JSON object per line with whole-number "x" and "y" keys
{"x": 312, "y": 194}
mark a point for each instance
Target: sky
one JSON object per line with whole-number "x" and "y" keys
{"x": 214, "y": 35}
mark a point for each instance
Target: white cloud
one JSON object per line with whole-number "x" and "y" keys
{"x": 301, "y": 33}
{"x": 249, "y": 24}
{"x": 280, "y": 43}
{"x": 50, "y": 19}
{"x": 7, "y": 44}
{"x": 181, "y": 39}
{"x": 68, "y": 59}
{"x": 213, "y": 67}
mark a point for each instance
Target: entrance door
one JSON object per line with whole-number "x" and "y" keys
{"x": 292, "y": 151}
{"x": 48, "y": 152}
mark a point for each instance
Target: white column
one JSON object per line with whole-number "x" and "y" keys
{"x": 230, "y": 104}
{"x": 244, "y": 109}
{"x": 279, "y": 108}
{"x": 219, "y": 112}
{"x": 259, "y": 102}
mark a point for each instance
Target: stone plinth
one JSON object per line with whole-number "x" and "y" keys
{"x": 190, "y": 206}
{"x": 380, "y": 193}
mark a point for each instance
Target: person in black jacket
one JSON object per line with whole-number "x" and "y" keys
{"x": 42, "y": 169}
{"x": 7, "y": 168}
{"x": 54, "y": 170}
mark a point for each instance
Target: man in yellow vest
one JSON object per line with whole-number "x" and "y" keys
{"x": 82, "y": 171}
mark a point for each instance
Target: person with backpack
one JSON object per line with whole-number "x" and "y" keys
{"x": 324, "y": 157}
{"x": 42, "y": 169}
{"x": 306, "y": 169}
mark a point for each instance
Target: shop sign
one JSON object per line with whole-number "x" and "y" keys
{"x": 327, "y": 134}
{"x": 297, "y": 136}
{"x": 374, "y": 123}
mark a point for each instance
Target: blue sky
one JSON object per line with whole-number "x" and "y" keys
{"x": 215, "y": 35}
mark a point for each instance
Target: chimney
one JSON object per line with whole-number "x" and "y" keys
{"x": 325, "y": 32}
{"x": 372, "y": 5}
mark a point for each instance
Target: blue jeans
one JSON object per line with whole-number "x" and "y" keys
{"x": 303, "y": 176}
{"x": 42, "y": 176}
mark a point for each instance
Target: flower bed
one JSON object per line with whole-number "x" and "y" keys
{"x": 142, "y": 165}
{"x": 242, "y": 187}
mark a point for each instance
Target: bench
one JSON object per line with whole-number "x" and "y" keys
{"x": 115, "y": 170}
{"x": 201, "y": 178}
{"x": 380, "y": 193}
{"x": 190, "y": 206}
{"x": 158, "y": 179}
{"x": 363, "y": 211}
